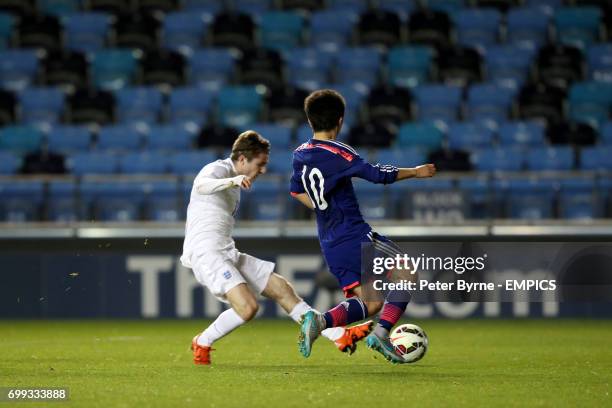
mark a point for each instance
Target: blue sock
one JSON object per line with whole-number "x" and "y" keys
{"x": 350, "y": 311}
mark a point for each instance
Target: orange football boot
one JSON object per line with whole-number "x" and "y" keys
{"x": 348, "y": 342}
{"x": 201, "y": 354}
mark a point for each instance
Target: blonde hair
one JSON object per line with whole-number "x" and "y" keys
{"x": 249, "y": 144}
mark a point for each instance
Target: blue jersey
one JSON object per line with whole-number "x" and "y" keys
{"x": 323, "y": 169}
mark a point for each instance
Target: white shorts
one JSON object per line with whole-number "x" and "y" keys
{"x": 221, "y": 271}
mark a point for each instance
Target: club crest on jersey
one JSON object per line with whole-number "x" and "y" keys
{"x": 227, "y": 274}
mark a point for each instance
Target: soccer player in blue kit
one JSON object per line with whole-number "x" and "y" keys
{"x": 322, "y": 172}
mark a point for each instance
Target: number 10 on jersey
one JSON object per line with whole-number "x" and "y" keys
{"x": 314, "y": 184}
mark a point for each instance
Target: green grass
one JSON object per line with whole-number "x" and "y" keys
{"x": 469, "y": 363}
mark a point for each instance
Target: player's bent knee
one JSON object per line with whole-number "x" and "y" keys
{"x": 247, "y": 310}
{"x": 374, "y": 307}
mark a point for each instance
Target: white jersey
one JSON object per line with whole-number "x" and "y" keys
{"x": 214, "y": 200}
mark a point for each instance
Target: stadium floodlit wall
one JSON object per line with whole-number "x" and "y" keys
{"x": 92, "y": 272}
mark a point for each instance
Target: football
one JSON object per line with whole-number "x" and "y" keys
{"x": 410, "y": 341}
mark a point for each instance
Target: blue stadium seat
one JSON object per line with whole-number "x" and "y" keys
{"x": 599, "y": 60}
{"x": 498, "y": 159}
{"x": 9, "y": 163}
{"x": 409, "y": 66}
{"x": 281, "y": 29}
{"x": 375, "y": 202}
{"x": 58, "y": 7}
{"x": 41, "y": 105}
{"x": 18, "y": 68}
{"x": 20, "y": 201}
{"x": 348, "y": 6}
{"x": 278, "y": 135}
{"x": 489, "y": 101}
{"x": 253, "y": 7}
{"x": 590, "y": 102}
{"x": 86, "y": 32}
{"x": 139, "y": 104}
{"x": 477, "y": 27}
{"x": 170, "y": 137}
{"x": 409, "y": 157}
{"x": 267, "y": 199}
{"x": 448, "y": 6}
{"x": 545, "y": 6}
{"x": 308, "y": 68}
{"x": 281, "y": 161}
{"x": 212, "y": 68}
{"x": 508, "y": 65}
{"x": 119, "y": 137}
{"x": 478, "y": 194}
{"x": 184, "y": 30}
{"x": 144, "y": 163}
{"x": 420, "y": 134}
{"x": 239, "y": 106}
{"x": 190, "y": 105}
{"x": 578, "y": 199}
{"x": 211, "y": 7}
{"x": 527, "y": 27}
{"x": 190, "y": 162}
{"x": 62, "y": 202}
{"x": 403, "y": 8}
{"x": 437, "y": 102}
{"x": 530, "y": 198}
{"x": 113, "y": 201}
{"x": 578, "y": 26}
{"x": 358, "y": 65}
{"x": 7, "y": 23}
{"x": 68, "y": 139}
{"x": 93, "y": 163}
{"x": 522, "y": 133}
{"x": 331, "y": 29}
{"x": 113, "y": 68}
{"x": 596, "y": 158}
{"x": 466, "y": 136}
{"x": 606, "y": 133}
{"x": 409, "y": 197}
{"x": 162, "y": 201}
{"x": 550, "y": 158}
{"x": 20, "y": 138}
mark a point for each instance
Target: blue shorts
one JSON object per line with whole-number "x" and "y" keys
{"x": 345, "y": 263}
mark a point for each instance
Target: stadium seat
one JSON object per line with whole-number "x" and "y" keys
{"x": 136, "y": 31}
{"x": 238, "y": 106}
{"x": 478, "y": 193}
{"x": 477, "y": 27}
{"x": 359, "y": 65}
{"x": 9, "y": 163}
{"x": 233, "y": 29}
{"x": 157, "y": 6}
{"x": 550, "y": 158}
{"x": 541, "y": 102}
{"x": 65, "y": 68}
{"x": 388, "y": 105}
{"x": 116, "y": 7}
{"x": 21, "y": 201}
{"x": 215, "y": 135}
{"x": 286, "y": 106}
{"x": 189, "y": 105}
{"x": 258, "y": 7}
{"x": 281, "y": 29}
{"x": 119, "y": 138}
{"x": 281, "y": 161}
{"x": 410, "y": 199}
{"x": 459, "y": 66}
{"x": 489, "y": 102}
{"x": 308, "y": 68}
{"x": 302, "y": 5}
{"x": 212, "y": 68}
{"x": 419, "y": 134}
{"x": 530, "y": 198}
{"x": 163, "y": 67}
{"x": 375, "y": 202}
{"x": 606, "y": 133}
{"x": 405, "y": 157}
{"x": 182, "y": 163}
{"x": 93, "y": 163}
{"x": 577, "y": 26}
{"x": 572, "y": 133}
{"x": 260, "y": 66}
{"x": 114, "y": 201}
{"x": 545, "y": 6}
{"x": 498, "y": 159}
{"x": 527, "y": 27}
{"x": 170, "y": 137}
{"x": 18, "y": 68}
{"x": 143, "y": 163}
{"x": 559, "y": 65}
{"x": 41, "y": 105}
{"x": 62, "y": 205}
{"x": 430, "y": 27}
{"x": 437, "y": 102}
{"x": 409, "y": 66}
{"x": 86, "y": 106}
{"x": 162, "y": 202}
{"x": 7, "y": 23}
{"x": 596, "y": 158}
{"x": 20, "y": 138}
{"x": 69, "y": 139}
{"x": 468, "y": 135}
{"x": 379, "y": 27}
{"x": 39, "y": 31}
{"x": 446, "y": 6}
{"x": 371, "y": 134}
{"x": 590, "y": 102}
{"x": 184, "y": 30}
{"x": 331, "y": 29}
{"x": 86, "y": 32}
{"x": 578, "y": 199}
{"x": 8, "y": 105}
{"x": 526, "y": 134}
{"x": 403, "y": 8}
{"x": 508, "y": 65}
{"x": 266, "y": 201}
{"x": 138, "y": 104}
{"x": 278, "y": 135}
{"x": 113, "y": 68}
{"x": 599, "y": 59}
{"x": 58, "y": 7}
{"x": 209, "y": 6}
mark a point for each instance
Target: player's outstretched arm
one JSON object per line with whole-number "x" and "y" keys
{"x": 206, "y": 185}
{"x": 423, "y": 171}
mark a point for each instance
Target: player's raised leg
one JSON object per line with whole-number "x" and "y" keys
{"x": 244, "y": 308}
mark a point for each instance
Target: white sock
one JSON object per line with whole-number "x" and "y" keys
{"x": 223, "y": 325}
{"x": 333, "y": 333}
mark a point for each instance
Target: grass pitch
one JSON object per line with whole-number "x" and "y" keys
{"x": 469, "y": 363}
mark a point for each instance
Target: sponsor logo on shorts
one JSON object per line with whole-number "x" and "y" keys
{"x": 227, "y": 274}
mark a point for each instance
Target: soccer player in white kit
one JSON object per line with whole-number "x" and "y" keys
{"x": 232, "y": 276}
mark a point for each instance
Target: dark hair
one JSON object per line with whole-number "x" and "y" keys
{"x": 249, "y": 144}
{"x": 324, "y": 108}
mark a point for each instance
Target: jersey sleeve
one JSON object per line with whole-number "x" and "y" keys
{"x": 296, "y": 185}
{"x": 377, "y": 173}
